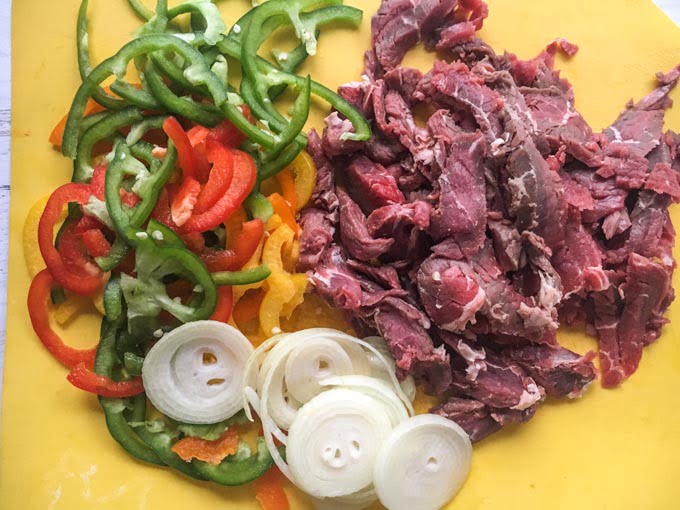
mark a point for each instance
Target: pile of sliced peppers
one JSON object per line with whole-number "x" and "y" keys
{"x": 165, "y": 218}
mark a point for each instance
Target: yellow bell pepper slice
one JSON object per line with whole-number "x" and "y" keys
{"x": 32, "y": 256}
{"x": 255, "y": 260}
{"x": 272, "y": 254}
{"x": 281, "y": 290}
{"x": 300, "y": 282}
{"x": 304, "y": 172}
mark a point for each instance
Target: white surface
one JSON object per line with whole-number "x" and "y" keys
{"x": 671, "y": 7}
{"x": 5, "y": 109}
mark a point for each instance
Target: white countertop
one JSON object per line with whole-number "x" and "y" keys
{"x": 671, "y": 7}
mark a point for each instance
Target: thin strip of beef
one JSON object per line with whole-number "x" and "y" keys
{"x": 651, "y": 233}
{"x": 401, "y": 24}
{"x": 472, "y": 13}
{"x": 354, "y": 233}
{"x": 534, "y": 194}
{"x": 561, "y": 372}
{"x": 579, "y": 260}
{"x": 639, "y": 127}
{"x": 335, "y": 142}
{"x": 507, "y": 243}
{"x": 479, "y": 420}
{"x": 499, "y": 382}
{"x": 645, "y": 289}
{"x": 450, "y": 295}
{"x": 324, "y": 196}
{"x": 405, "y": 224}
{"x": 371, "y": 185}
{"x": 413, "y": 349}
{"x": 461, "y": 210}
{"x": 454, "y": 86}
{"x": 317, "y": 235}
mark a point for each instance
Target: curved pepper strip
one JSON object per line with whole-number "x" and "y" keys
{"x": 85, "y": 379}
{"x": 141, "y": 46}
{"x": 184, "y": 201}
{"x": 224, "y": 307}
{"x": 73, "y": 252}
{"x": 146, "y": 295}
{"x": 38, "y": 298}
{"x": 285, "y": 157}
{"x": 141, "y": 10}
{"x": 280, "y": 287}
{"x": 280, "y": 290}
{"x": 124, "y": 218}
{"x": 286, "y": 211}
{"x": 258, "y": 206}
{"x": 187, "y": 158}
{"x": 161, "y": 444}
{"x": 77, "y": 283}
{"x": 220, "y": 178}
{"x": 136, "y": 95}
{"x": 269, "y": 491}
{"x": 114, "y": 409}
{"x": 240, "y": 248}
{"x": 32, "y": 257}
{"x": 245, "y": 172}
{"x": 242, "y": 277}
{"x": 237, "y": 471}
{"x": 300, "y": 283}
{"x": 210, "y": 451}
{"x": 304, "y": 171}
{"x": 204, "y": 114}
{"x": 93, "y": 111}
{"x": 285, "y": 180}
{"x": 84, "y": 67}
{"x": 105, "y": 128}
{"x": 273, "y": 247}
{"x": 265, "y": 75}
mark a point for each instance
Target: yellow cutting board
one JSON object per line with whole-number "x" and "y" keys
{"x": 614, "y": 450}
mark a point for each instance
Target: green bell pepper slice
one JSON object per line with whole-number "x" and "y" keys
{"x": 114, "y": 409}
{"x": 238, "y": 471}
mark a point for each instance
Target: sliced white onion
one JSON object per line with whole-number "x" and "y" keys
{"x": 310, "y": 363}
{"x": 194, "y": 373}
{"x": 250, "y": 371}
{"x": 422, "y": 464}
{"x": 380, "y": 390}
{"x": 293, "y": 365}
{"x": 334, "y": 440}
{"x": 355, "y": 501}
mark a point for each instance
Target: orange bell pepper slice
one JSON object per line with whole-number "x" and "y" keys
{"x": 285, "y": 211}
{"x": 212, "y": 452}
{"x": 269, "y": 491}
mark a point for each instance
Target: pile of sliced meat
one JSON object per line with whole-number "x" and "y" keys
{"x": 466, "y": 239}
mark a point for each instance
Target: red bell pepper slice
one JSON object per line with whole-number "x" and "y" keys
{"x": 219, "y": 180}
{"x": 96, "y": 243}
{"x": 269, "y": 491}
{"x": 240, "y": 249}
{"x": 74, "y": 253}
{"x": 225, "y": 304}
{"x": 38, "y": 296}
{"x": 188, "y": 161}
{"x": 184, "y": 201}
{"x": 85, "y": 379}
{"x": 83, "y": 284}
{"x": 245, "y": 173}
{"x": 98, "y": 182}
